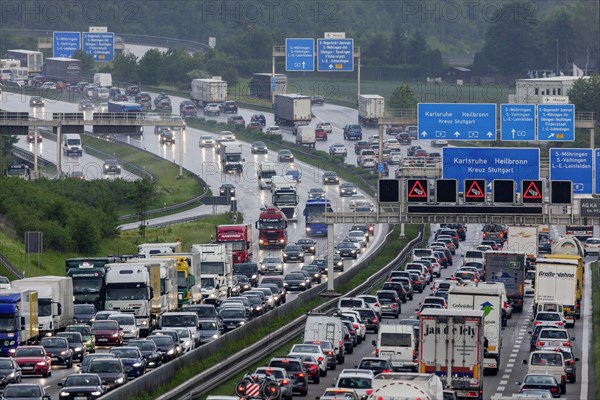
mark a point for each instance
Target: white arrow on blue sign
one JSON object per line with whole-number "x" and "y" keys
{"x": 455, "y": 121}
{"x": 517, "y": 122}
{"x": 572, "y": 165}
{"x": 556, "y": 122}
{"x": 299, "y": 54}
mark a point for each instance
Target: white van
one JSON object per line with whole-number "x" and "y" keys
{"x": 417, "y": 254}
{"x": 398, "y": 344}
{"x": 71, "y": 144}
{"x": 474, "y": 255}
{"x": 324, "y": 327}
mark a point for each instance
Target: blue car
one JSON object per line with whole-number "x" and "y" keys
{"x": 132, "y": 359}
{"x": 544, "y": 242}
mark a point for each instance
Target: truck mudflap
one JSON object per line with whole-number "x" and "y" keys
{"x": 470, "y": 388}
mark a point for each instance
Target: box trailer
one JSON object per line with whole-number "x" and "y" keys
{"x": 292, "y": 108}
{"x": 205, "y": 91}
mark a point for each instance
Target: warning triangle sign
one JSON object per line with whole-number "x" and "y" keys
{"x": 532, "y": 191}
{"x": 475, "y": 191}
{"x": 417, "y": 191}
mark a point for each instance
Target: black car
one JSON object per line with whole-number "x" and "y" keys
{"x": 540, "y": 382}
{"x": 369, "y": 318}
{"x": 407, "y": 284}
{"x": 83, "y": 313}
{"x": 227, "y": 189}
{"x": 347, "y": 250}
{"x": 111, "y": 167}
{"x": 248, "y": 269}
{"x": 243, "y": 282}
{"x": 149, "y": 352}
{"x": 398, "y": 287}
{"x": 260, "y": 118}
{"x": 296, "y": 372}
{"x": 160, "y": 97}
{"x": 9, "y": 372}
{"x": 295, "y": 281}
{"x": 86, "y": 105}
{"x": 330, "y": 177}
{"x": 232, "y": 318}
{"x": 132, "y": 90}
{"x": 348, "y": 189}
{"x": 229, "y": 106}
{"x": 121, "y": 97}
{"x": 461, "y": 230}
{"x": 165, "y": 345}
{"x": 59, "y": 351}
{"x": 314, "y": 272}
{"x": 204, "y": 311}
{"x": 36, "y": 101}
{"x": 81, "y": 386}
{"x": 308, "y": 245}
{"x": 111, "y": 371}
{"x": 319, "y": 100}
{"x": 259, "y": 147}
{"x": 375, "y": 364}
{"x": 293, "y": 252}
{"x": 76, "y": 343}
{"x": 83, "y": 367}
{"x": 285, "y": 155}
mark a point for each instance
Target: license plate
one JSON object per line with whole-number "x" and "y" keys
{"x": 54, "y": 359}
{"x": 80, "y": 398}
{"x": 27, "y": 368}
{"x": 103, "y": 340}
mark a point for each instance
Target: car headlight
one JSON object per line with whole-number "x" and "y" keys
{"x": 242, "y": 323}
{"x": 171, "y": 352}
{"x": 11, "y": 375}
{"x": 120, "y": 380}
{"x": 179, "y": 296}
{"x": 63, "y": 353}
{"x": 77, "y": 348}
{"x": 308, "y": 229}
{"x": 115, "y": 335}
{"x": 303, "y": 284}
{"x": 137, "y": 365}
{"x": 41, "y": 363}
{"x": 12, "y": 350}
{"x": 215, "y": 336}
{"x": 285, "y": 284}
{"x": 96, "y": 393}
{"x": 65, "y": 394}
{"x": 285, "y": 254}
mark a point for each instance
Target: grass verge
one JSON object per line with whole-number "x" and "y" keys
{"x": 169, "y": 188}
{"x": 53, "y": 263}
{"x": 596, "y": 322}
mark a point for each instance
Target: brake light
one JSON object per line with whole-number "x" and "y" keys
{"x": 374, "y": 320}
{"x": 394, "y": 306}
{"x": 355, "y": 326}
{"x": 299, "y": 375}
{"x": 320, "y": 359}
{"x": 376, "y": 352}
{"x": 313, "y": 367}
{"x": 377, "y": 305}
{"x": 563, "y": 378}
{"x": 285, "y": 382}
{"x": 559, "y": 323}
{"x": 414, "y": 355}
{"x": 554, "y": 389}
{"x": 567, "y": 344}
{"x": 537, "y": 323}
{"x": 341, "y": 344}
{"x": 386, "y": 371}
{"x": 540, "y": 343}
{"x": 369, "y": 391}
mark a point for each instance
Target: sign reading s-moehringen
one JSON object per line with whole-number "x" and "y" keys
{"x": 490, "y": 163}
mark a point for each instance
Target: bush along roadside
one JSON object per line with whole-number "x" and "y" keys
{"x": 320, "y": 160}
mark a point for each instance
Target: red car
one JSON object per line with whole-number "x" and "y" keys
{"x": 311, "y": 365}
{"x": 33, "y": 360}
{"x": 107, "y": 333}
{"x": 321, "y": 134}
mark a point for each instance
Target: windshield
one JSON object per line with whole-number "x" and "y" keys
{"x": 126, "y": 293}
{"x": 145, "y": 345}
{"x": 105, "y": 325}
{"x": 208, "y": 326}
{"x": 396, "y": 339}
{"x": 123, "y": 319}
{"x": 271, "y": 224}
{"x": 44, "y": 308}
{"x": 105, "y": 367}
{"x": 207, "y": 283}
{"x": 286, "y": 198}
{"x": 355, "y": 383}
{"x": 215, "y": 268}
{"x": 163, "y": 340}
{"x": 232, "y": 313}
{"x": 179, "y": 320}
{"x": 233, "y": 158}
{"x": 8, "y": 324}
{"x": 24, "y": 392}
{"x": 267, "y": 174}
{"x": 125, "y": 353}
{"x": 73, "y": 142}
{"x": 6, "y": 363}
{"x": 181, "y": 280}
{"x": 84, "y": 309}
{"x": 14, "y": 171}
{"x": 24, "y": 352}
{"x": 315, "y": 211}
{"x": 82, "y": 380}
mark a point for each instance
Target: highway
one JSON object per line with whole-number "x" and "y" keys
{"x": 515, "y": 342}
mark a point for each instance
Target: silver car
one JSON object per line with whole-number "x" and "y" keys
{"x": 271, "y": 265}
{"x": 360, "y": 235}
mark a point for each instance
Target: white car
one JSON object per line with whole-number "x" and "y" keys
{"x": 360, "y": 380}
{"x": 187, "y": 340}
{"x": 484, "y": 248}
{"x": 206, "y": 141}
{"x": 338, "y": 149}
{"x": 103, "y": 107}
{"x": 273, "y": 130}
{"x": 4, "y": 283}
{"x": 149, "y": 116}
{"x": 48, "y": 85}
{"x": 326, "y": 126}
{"x": 439, "y": 143}
{"x": 392, "y": 144}
{"x": 395, "y": 158}
{"x": 361, "y": 329}
{"x": 212, "y": 109}
{"x": 373, "y": 302}
{"x": 227, "y": 136}
{"x": 271, "y": 264}
{"x": 127, "y": 323}
{"x": 360, "y": 235}
{"x": 373, "y": 139}
{"x": 312, "y": 350}
{"x": 591, "y": 246}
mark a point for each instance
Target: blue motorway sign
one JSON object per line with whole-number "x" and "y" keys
{"x": 299, "y": 54}
{"x": 517, "y": 122}
{"x": 335, "y": 55}
{"x": 65, "y": 44}
{"x": 454, "y": 121}
{"x": 99, "y": 45}
{"x": 490, "y": 163}
{"x": 556, "y": 122}
{"x": 572, "y": 165}
{"x": 273, "y": 84}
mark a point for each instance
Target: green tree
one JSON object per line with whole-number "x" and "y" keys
{"x": 512, "y": 42}
{"x": 231, "y": 76}
{"x": 125, "y": 68}
{"x": 87, "y": 62}
{"x": 398, "y": 46}
{"x": 403, "y": 97}
{"x": 417, "y": 47}
{"x": 558, "y": 26}
{"x": 151, "y": 66}
{"x": 6, "y": 145}
{"x": 585, "y": 94}
{"x": 142, "y": 196}
{"x": 377, "y": 48}
{"x": 479, "y": 66}
{"x": 431, "y": 63}
{"x": 86, "y": 234}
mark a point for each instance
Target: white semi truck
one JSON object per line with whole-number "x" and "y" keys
{"x": 205, "y": 91}
{"x": 215, "y": 271}
{"x": 152, "y": 249}
{"x": 231, "y": 158}
{"x": 292, "y": 108}
{"x": 451, "y": 346}
{"x": 488, "y": 299}
{"x": 55, "y": 301}
{"x": 556, "y": 281}
{"x": 287, "y": 200}
{"x": 266, "y": 171}
{"x": 371, "y": 108}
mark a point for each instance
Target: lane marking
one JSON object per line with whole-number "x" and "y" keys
{"x": 510, "y": 365}
{"x": 503, "y": 382}
{"x": 586, "y": 316}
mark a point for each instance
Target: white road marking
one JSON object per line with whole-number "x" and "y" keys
{"x": 501, "y": 388}
{"x": 503, "y": 382}
{"x": 586, "y": 316}
{"x": 506, "y": 376}
{"x": 510, "y": 365}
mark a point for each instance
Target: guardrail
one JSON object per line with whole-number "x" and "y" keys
{"x": 10, "y": 267}
{"x": 215, "y": 375}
